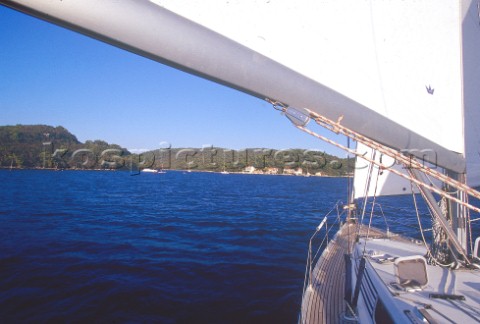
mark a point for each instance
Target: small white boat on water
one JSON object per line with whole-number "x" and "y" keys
{"x": 147, "y": 170}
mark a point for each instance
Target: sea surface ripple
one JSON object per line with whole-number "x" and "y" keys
{"x": 99, "y": 246}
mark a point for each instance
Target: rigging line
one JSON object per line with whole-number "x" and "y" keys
{"x": 385, "y": 220}
{"x": 371, "y": 211}
{"x": 407, "y": 161}
{"x": 432, "y": 204}
{"x": 352, "y": 214}
{"x": 420, "y": 183}
{"x": 382, "y": 214}
{"x": 429, "y": 252}
{"x": 419, "y": 221}
{"x": 366, "y": 189}
{"x": 434, "y": 185}
{"x": 469, "y": 224}
{"x": 406, "y": 225}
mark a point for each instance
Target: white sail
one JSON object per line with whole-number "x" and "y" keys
{"x": 371, "y": 180}
{"x": 382, "y": 54}
{"x": 375, "y": 181}
{"x": 385, "y": 55}
{"x": 402, "y": 59}
{"x": 471, "y": 95}
{"x": 406, "y": 60}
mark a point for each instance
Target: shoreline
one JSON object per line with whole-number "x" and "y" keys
{"x": 180, "y": 170}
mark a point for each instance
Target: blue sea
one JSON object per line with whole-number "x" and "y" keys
{"x": 100, "y": 246}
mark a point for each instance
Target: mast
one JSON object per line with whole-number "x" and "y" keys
{"x": 351, "y": 206}
{"x": 457, "y": 212}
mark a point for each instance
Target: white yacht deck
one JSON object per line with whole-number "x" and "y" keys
{"x": 448, "y": 296}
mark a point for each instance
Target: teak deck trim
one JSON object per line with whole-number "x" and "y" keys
{"x": 324, "y": 302}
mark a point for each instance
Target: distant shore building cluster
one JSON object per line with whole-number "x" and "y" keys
{"x": 294, "y": 172}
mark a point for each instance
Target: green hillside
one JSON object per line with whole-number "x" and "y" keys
{"x": 42, "y": 146}
{"x": 264, "y": 160}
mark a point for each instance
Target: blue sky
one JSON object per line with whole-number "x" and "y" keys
{"x": 53, "y": 76}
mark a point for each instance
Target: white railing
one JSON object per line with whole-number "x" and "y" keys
{"x": 328, "y": 222}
